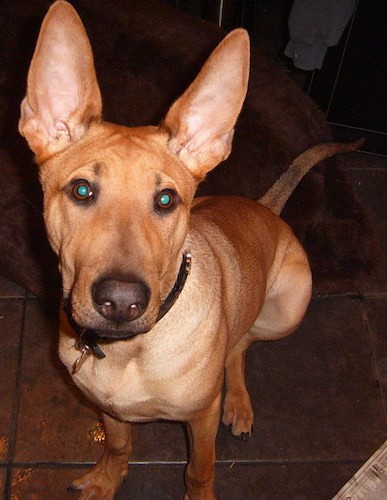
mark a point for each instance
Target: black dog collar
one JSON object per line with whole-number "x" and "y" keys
{"x": 184, "y": 270}
{"x": 87, "y": 340}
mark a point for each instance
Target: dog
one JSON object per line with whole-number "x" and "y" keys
{"x": 162, "y": 292}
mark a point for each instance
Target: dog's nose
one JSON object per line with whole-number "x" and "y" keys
{"x": 120, "y": 301}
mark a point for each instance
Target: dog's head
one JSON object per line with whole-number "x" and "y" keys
{"x": 117, "y": 200}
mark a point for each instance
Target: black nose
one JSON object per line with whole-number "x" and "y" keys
{"x": 120, "y": 301}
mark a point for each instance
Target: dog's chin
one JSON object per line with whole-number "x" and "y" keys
{"x": 111, "y": 335}
{"x": 120, "y": 332}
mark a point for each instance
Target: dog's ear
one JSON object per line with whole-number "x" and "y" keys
{"x": 63, "y": 96}
{"x": 201, "y": 122}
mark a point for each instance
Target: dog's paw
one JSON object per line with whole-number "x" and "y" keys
{"x": 89, "y": 491}
{"x": 95, "y": 485}
{"x": 244, "y": 436}
{"x": 238, "y": 415}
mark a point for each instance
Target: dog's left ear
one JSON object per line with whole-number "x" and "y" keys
{"x": 201, "y": 122}
{"x": 63, "y": 96}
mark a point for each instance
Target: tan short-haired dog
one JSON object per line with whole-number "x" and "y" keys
{"x": 162, "y": 292}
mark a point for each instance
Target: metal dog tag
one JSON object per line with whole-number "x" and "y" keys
{"x": 87, "y": 345}
{"x": 85, "y": 353}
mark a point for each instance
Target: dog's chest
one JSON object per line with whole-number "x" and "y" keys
{"x": 137, "y": 393}
{"x": 127, "y": 394}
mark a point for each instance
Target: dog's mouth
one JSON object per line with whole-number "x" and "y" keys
{"x": 106, "y": 335}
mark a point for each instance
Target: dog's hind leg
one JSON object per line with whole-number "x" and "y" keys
{"x": 106, "y": 476}
{"x": 287, "y": 300}
{"x": 284, "y": 307}
{"x": 237, "y": 411}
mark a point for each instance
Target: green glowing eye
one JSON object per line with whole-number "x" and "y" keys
{"x": 166, "y": 199}
{"x": 81, "y": 190}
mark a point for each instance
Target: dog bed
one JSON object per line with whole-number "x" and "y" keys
{"x": 146, "y": 54}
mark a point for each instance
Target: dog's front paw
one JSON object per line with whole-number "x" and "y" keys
{"x": 90, "y": 490}
{"x": 96, "y": 484}
{"x": 238, "y": 415}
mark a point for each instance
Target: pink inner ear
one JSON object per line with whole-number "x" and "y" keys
{"x": 53, "y": 80}
{"x": 62, "y": 92}
{"x": 57, "y": 97}
{"x": 201, "y": 122}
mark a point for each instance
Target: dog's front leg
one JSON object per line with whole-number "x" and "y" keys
{"x": 199, "y": 476}
{"x": 106, "y": 476}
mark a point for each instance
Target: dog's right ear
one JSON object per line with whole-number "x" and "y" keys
{"x": 63, "y": 96}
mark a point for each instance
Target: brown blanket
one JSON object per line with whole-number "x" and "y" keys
{"x": 146, "y": 54}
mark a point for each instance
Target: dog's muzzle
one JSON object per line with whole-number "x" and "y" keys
{"x": 122, "y": 302}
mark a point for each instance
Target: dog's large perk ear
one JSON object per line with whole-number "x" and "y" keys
{"x": 201, "y": 122}
{"x": 63, "y": 96}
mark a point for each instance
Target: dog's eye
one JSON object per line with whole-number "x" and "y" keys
{"x": 81, "y": 190}
{"x": 165, "y": 199}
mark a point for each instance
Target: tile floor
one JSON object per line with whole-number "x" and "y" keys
{"x": 320, "y": 399}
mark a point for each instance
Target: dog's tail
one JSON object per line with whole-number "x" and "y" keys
{"x": 280, "y": 192}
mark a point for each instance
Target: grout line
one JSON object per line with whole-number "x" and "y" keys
{"x": 12, "y": 433}
{"x": 350, "y": 168}
{"x": 20, "y": 298}
{"x": 375, "y": 295}
{"x": 362, "y": 153}
{"x": 262, "y": 462}
{"x": 360, "y": 129}
{"x": 88, "y": 465}
{"x": 355, "y": 295}
{"x": 3, "y": 298}
{"x": 374, "y": 358}
{"x": 229, "y": 462}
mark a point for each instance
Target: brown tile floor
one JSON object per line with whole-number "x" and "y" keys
{"x": 320, "y": 399}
